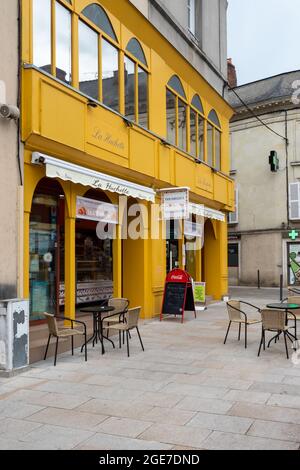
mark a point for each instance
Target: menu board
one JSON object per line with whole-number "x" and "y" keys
{"x": 174, "y": 299}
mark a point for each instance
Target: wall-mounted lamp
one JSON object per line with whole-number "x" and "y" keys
{"x": 127, "y": 122}
{"x": 92, "y": 104}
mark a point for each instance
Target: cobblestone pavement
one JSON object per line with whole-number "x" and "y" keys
{"x": 186, "y": 391}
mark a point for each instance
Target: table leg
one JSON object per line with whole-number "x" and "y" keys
{"x": 94, "y": 336}
{"x": 101, "y": 335}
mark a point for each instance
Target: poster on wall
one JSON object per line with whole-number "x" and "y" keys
{"x": 175, "y": 203}
{"x": 294, "y": 263}
{"x": 90, "y": 209}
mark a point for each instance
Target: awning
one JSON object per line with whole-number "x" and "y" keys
{"x": 204, "y": 211}
{"x": 65, "y": 171}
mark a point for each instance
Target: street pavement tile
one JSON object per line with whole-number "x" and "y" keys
{"x": 167, "y": 416}
{"x": 57, "y": 437}
{"x": 271, "y": 430}
{"x": 177, "y": 435}
{"x": 110, "y": 442}
{"x": 123, "y": 427}
{"x": 68, "y": 418}
{"x": 205, "y": 404}
{"x": 266, "y": 412}
{"x": 195, "y": 390}
{"x": 120, "y": 409}
{"x": 18, "y": 410}
{"x": 101, "y": 379}
{"x": 247, "y": 396}
{"x": 221, "y": 423}
{"x": 14, "y": 444}
{"x": 163, "y": 400}
{"x": 280, "y": 389}
{"x": 291, "y": 380}
{"x": 228, "y": 383}
{"x": 225, "y": 441}
{"x": 15, "y": 428}
{"x": 287, "y": 401}
{"x": 57, "y": 400}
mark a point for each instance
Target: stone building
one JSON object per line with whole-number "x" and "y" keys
{"x": 264, "y": 231}
{"x": 11, "y": 160}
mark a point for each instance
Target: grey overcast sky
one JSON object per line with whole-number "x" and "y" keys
{"x": 263, "y": 37}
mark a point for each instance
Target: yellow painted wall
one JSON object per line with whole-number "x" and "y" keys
{"x": 57, "y": 120}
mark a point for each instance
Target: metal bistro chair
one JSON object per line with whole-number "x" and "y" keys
{"x": 275, "y": 321}
{"x": 236, "y": 315}
{"x": 295, "y": 316}
{"x": 63, "y": 333}
{"x": 130, "y": 323}
{"x": 117, "y": 316}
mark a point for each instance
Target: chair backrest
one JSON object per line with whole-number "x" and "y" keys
{"x": 52, "y": 324}
{"x": 120, "y": 305}
{"x": 273, "y": 319}
{"x": 233, "y": 314}
{"x": 294, "y": 299}
{"x": 132, "y": 317}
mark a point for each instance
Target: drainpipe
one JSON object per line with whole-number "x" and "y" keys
{"x": 287, "y": 168}
{"x": 19, "y": 95}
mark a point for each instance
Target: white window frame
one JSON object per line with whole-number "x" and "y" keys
{"x": 297, "y": 185}
{"x": 192, "y": 16}
{"x": 233, "y": 217}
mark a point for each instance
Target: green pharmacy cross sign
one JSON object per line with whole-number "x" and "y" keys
{"x": 293, "y": 235}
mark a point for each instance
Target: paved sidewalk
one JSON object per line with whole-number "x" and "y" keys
{"x": 187, "y": 390}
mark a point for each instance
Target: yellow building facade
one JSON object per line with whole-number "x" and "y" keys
{"x": 114, "y": 97}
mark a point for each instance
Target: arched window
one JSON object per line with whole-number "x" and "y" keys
{"x": 176, "y": 113}
{"x": 53, "y": 30}
{"x": 214, "y": 140}
{"x": 136, "y": 83}
{"x": 213, "y": 117}
{"x": 197, "y": 128}
{"x": 176, "y": 84}
{"x": 98, "y": 57}
{"x": 98, "y": 16}
{"x": 136, "y": 50}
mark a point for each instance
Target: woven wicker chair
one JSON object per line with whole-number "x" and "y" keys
{"x": 117, "y": 316}
{"x": 121, "y": 306}
{"x": 63, "y": 333}
{"x": 237, "y": 315}
{"x": 275, "y": 321}
{"x": 294, "y": 299}
{"x": 130, "y": 323}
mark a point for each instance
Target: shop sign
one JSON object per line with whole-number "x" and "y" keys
{"x": 90, "y": 209}
{"x": 192, "y": 229}
{"x": 175, "y": 204}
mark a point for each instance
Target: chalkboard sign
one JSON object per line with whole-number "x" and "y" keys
{"x": 174, "y": 300}
{"x": 178, "y": 294}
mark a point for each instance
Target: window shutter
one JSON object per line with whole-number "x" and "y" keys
{"x": 294, "y": 202}
{"x": 233, "y": 217}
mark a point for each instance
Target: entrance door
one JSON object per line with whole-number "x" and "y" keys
{"x": 43, "y": 256}
{"x": 293, "y": 263}
{"x": 172, "y": 246}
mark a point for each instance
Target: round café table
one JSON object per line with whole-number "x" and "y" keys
{"x": 98, "y": 311}
{"x": 286, "y": 307}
